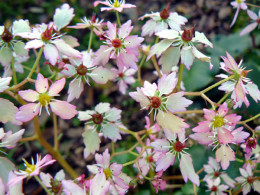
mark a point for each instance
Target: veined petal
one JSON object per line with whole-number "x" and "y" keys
{"x": 168, "y": 34}
{"x": 91, "y": 141}
{"x": 27, "y": 112}
{"x": 56, "y": 87}
{"x": 102, "y": 108}
{"x": 164, "y": 161}
{"x": 149, "y": 89}
{"x": 34, "y": 44}
{"x": 101, "y": 75}
{"x": 41, "y": 84}
{"x": 29, "y": 95}
{"x": 140, "y": 97}
{"x": 51, "y": 53}
{"x": 202, "y": 127}
{"x": 76, "y": 87}
{"x": 125, "y": 29}
{"x": 86, "y": 115}
{"x": 187, "y": 56}
{"x": 66, "y": 49}
{"x": 63, "y": 109}
{"x": 63, "y": 16}
{"x": 187, "y": 169}
{"x": 201, "y": 38}
{"x": 170, "y": 58}
{"x": 224, "y": 155}
{"x": 177, "y": 103}
{"x": 111, "y": 131}
{"x": 248, "y": 28}
{"x": 159, "y": 48}
{"x": 225, "y": 136}
{"x": 99, "y": 185}
{"x": 8, "y": 111}
{"x": 167, "y": 83}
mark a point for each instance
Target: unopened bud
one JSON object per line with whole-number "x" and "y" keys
{"x": 165, "y": 13}
{"x": 187, "y": 34}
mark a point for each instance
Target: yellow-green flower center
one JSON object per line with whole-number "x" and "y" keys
{"x": 218, "y": 121}
{"x": 44, "y": 99}
{"x": 116, "y": 4}
{"x": 108, "y": 173}
{"x": 29, "y": 168}
{"x": 239, "y": 1}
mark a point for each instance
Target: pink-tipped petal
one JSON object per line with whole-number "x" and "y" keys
{"x": 29, "y": 95}
{"x": 56, "y": 87}
{"x": 63, "y": 109}
{"x": 51, "y": 53}
{"x": 41, "y": 84}
{"x": 27, "y": 112}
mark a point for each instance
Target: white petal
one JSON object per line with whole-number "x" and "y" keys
{"x": 169, "y": 59}
{"x": 102, "y": 107}
{"x": 159, "y": 48}
{"x": 187, "y": 56}
{"x": 51, "y": 53}
{"x": 91, "y": 141}
{"x": 177, "y": 103}
{"x": 111, "y": 131}
{"x": 8, "y": 111}
{"x": 63, "y": 16}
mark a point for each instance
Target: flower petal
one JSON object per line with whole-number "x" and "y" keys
{"x": 63, "y": 109}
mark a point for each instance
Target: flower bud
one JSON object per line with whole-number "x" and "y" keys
{"x": 7, "y": 36}
{"x": 165, "y": 13}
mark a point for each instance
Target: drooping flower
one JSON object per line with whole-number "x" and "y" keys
{"x": 161, "y": 21}
{"x": 253, "y": 25}
{"x": 9, "y": 139}
{"x": 168, "y": 149}
{"x": 238, "y": 4}
{"x": 125, "y": 77}
{"x": 248, "y": 181}
{"x": 82, "y": 70}
{"x": 50, "y": 38}
{"x": 120, "y": 46}
{"x": 213, "y": 172}
{"x": 45, "y": 97}
{"x": 239, "y": 85}
{"x": 215, "y": 187}
{"x": 112, "y": 173}
{"x": 155, "y": 97}
{"x": 93, "y": 23}
{"x": 103, "y": 119}
{"x": 250, "y": 144}
{"x": 116, "y": 5}
{"x": 157, "y": 182}
{"x": 179, "y": 44}
{"x": 31, "y": 169}
{"x": 10, "y": 45}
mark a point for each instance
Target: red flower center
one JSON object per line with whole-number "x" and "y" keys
{"x": 150, "y": 159}
{"x": 258, "y": 20}
{"x": 214, "y": 188}
{"x": 82, "y": 70}
{"x": 155, "y": 102}
{"x": 97, "y": 118}
{"x": 121, "y": 75}
{"x": 117, "y": 43}
{"x": 7, "y": 36}
{"x": 178, "y": 146}
{"x": 250, "y": 179}
{"x": 217, "y": 173}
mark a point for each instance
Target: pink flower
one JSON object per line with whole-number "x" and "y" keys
{"x": 156, "y": 96}
{"x": 213, "y": 172}
{"x": 82, "y": 70}
{"x": 116, "y": 5}
{"x": 112, "y": 173}
{"x": 168, "y": 149}
{"x": 157, "y": 182}
{"x": 216, "y": 188}
{"x": 49, "y": 37}
{"x": 44, "y": 96}
{"x": 250, "y": 143}
{"x": 219, "y": 123}
{"x": 253, "y": 25}
{"x": 161, "y": 21}
{"x": 103, "y": 119}
{"x": 152, "y": 130}
{"x": 224, "y": 155}
{"x": 31, "y": 169}
{"x": 240, "y": 85}
{"x": 9, "y": 139}
{"x": 93, "y": 23}
{"x": 238, "y": 4}
{"x": 248, "y": 181}
{"x": 179, "y": 45}
{"x": 125, "y": 77}
{"x": 119, "y": 46}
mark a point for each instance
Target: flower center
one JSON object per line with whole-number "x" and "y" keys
{"x": 121, "y": 75}
{"x": 214, "y": 188}
{"x": 244, "y": 73}
{"x": 55, "y": 186}
{"x": 218, "y": 121}
{"x": 239, "y": 1}
{"x": 7, "y": 36}
{"x": 178, "y": 146}
{"x": 155, "y": 102}
{"x": 217, "y": 173}
{"x": 116, "y": 4}
{"x": 251, "y": 142}
{"x": 187, "y": 34}
{"x": 250, "y": 179}
{"x": 108, "y": 173}
{"x": 149, "y": 159}
{"x": 165, "y": 13}
{"x": 47, "y": 34}
{"x": 258, "y": 20}
{"x": 44, "y": 99}
{"x": 116, "y": 43}
{"x": 82, "y": 70}
{"x": 97, "y": 118}
{"x": 29, "y": 168}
